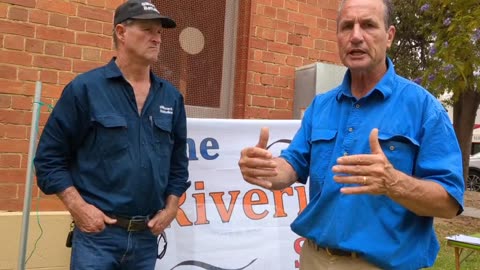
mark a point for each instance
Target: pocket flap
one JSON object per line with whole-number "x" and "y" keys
{"x": 385, "y": 136}
{"x": 323, "y": 134}
{"x": 163, "y": 123}
{"x": 112, "y": 121}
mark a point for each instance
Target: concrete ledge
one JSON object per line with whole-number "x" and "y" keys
{"x": 50, "y": 252}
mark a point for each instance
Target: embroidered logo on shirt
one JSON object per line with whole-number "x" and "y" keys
{"x": 166, "y": 110}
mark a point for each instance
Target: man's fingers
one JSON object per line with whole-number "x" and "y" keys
{"x": 259, "y": 182}
{"x": 263, "y": 139}
{"x": 109, "y": 220}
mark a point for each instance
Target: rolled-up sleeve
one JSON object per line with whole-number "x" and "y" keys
{"x": 61, "y": 135}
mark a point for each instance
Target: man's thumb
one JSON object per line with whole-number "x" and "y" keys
{"x": 263, "y": 139}
{"x": 375, "y": 147}
{"x": 109, "y": 220}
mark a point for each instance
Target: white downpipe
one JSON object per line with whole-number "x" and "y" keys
{"x": 29, "y": 179}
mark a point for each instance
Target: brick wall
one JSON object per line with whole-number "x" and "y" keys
{"x": 54, "y": 40}
{"x": 50, "y": 41}
{"x": 283, "y": 35}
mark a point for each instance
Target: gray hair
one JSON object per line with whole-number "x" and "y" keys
{"x": 114, "y": 33}
{"x": 387, "y": 18}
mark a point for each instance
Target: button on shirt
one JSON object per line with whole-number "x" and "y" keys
{"x": 121, "y": 162}
{"x": 417, "y": 137}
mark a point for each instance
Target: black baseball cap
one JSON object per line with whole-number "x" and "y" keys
{"x": 141, "y": 10}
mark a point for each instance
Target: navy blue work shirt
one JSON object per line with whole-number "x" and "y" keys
{"x": 123, "y": 162}
{"x": 417, "y": 137}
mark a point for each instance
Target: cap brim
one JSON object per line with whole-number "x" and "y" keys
{"x": 165, "y": 21}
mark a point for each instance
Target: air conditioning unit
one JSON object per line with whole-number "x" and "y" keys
{"x": 313, "y": 79}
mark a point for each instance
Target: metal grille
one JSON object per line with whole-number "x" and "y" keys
{"x": 192, "y": 54}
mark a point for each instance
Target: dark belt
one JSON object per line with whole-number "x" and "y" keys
{"x": 134, "y": 224}
{"x": 334, "y": 251}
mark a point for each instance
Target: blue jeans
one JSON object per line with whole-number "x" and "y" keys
{"x": 114, "y": 248}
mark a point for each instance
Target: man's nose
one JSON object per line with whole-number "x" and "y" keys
{"x": 357, "y": 34}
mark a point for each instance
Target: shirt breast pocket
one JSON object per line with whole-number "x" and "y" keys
{"x": 401, "y": 150}
{"x": 323, "y": 143}
{"x": 112, "y": 134}
{"x": 162, "y": 132}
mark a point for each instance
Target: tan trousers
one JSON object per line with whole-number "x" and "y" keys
{"x": 312, "y": 258}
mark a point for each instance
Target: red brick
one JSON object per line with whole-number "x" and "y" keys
{"x": 329, "y": 57}
{"x": 331, "y": 47}
{"x": 311, "y": 10}
{"x": 95, "y": 13}
{"x": 294, "y": 61}
{"x": 12, "y": 176}
{"x": 266, "y": 80}
{"x": 18, "y": 14}
{"x": 278, "y": 3}
{"x": 83, "y": 66}
{"x": 281, "y": 104}
{"x": 106, "y": 55}
{"x": 11, "y": 86}
{"x": 307, "y": 42}
{"x": 96, "y": 3}
{"x": 301, "y": 30}
{"x": 94, "y": 27}
{"x": 273, "y": 92}
{"x": 287, "y": 71}
{"x": 49, "y": 76}
{"x": 107, "y": 29}
{"x": 34, "y": 45}
{"x": 16, "y": 58}
{"x": 25, "y": 3}
{"x": 263, "y": 101}
{"x": 55, "y": 34}
{"x": 57, "y": 6}
{"x": 22, "y": 102}
{"x": 8, "y": 72}
{"x": 50, "y": 91}
{"x": 14, "y": 42}
{"x": 13, "y": 117}
{"x": 280, "y": 114}
{"x": 9, "y": 161}
{"x": 285, "y": 26}
{"x": 287, "y": 93}
{"x": 272, "y": 69}
{"x": 38, "y": 16}
{"x": 281, "y": 81}
{"x": 291, "y": 5}
{"x": 256, "y": 66}
{"x": 256, "y": 43}
{"x": 8, "y": 191}
{"x": 91, "y": 54}
{"x": 52, "y": 62}
{"x": 329, "y": 35}
{"x": 5, "y": 102}
{"x": 65, "y": 77}
{"x": 257, "y": 113}
{"x": 280, "y": 48}
{"x": 13, "y": 146}
{"x": 259, "y": 90}
{"x": 17, "y": 28}
{"x": 294, "y": 39}
{"x": 75, "y": 23}
{"x": 3, "y": 11}
{"x": 329, "y": 14}
{"x": 263, "y": 21}
{"x": 282, "y": 14}
{"x": 94, "y": 40}
{"x": 270, "y": 12}
{"x": 73, "y": 52}
{"x": 53, "y": 48}
{"x": 300, "y": 51}
{"x": 58, "y": 20}
{"x": 294, "y": 17}
{"x": 281, "y": 37}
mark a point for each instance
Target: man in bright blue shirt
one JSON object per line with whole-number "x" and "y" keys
{"x": 114, "y": 149}
{"x": 381, "y": 156}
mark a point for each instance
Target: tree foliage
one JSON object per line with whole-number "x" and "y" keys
{"x": 438, "y": 45}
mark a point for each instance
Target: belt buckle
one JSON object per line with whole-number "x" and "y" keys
{"x": 132, "y": 222}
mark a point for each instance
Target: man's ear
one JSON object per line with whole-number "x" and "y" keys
{"x": 390, "y": 35}
{"x": 120, "y": 31}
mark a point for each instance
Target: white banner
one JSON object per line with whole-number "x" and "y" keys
{"x": 225, "y": 223}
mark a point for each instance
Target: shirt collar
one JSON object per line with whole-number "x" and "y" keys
{"x": 385, "y": 86}
{"x": 112, "y": 71}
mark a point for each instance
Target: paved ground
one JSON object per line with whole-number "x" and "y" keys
{"x": 471, "y": 212}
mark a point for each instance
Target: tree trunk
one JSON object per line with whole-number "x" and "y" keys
{"x": 464, "y": 114}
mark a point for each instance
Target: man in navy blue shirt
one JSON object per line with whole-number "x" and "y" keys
{"x": 114, "y": 149}
{"x": 380, "y": 154}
